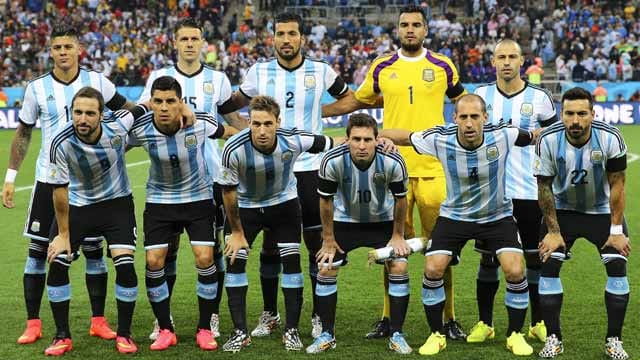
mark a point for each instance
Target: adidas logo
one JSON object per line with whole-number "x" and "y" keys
{"x": 271, "y": 81}
{"x": 393, "y": 76}
{"x": 51, "y": 98}
{"x": 489, "y": 108}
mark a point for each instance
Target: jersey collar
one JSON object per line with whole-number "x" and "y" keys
{"x": 187, "y": 75}
{"x": 526, "y": 85}
{"x": 53, "y": 75}
{"x": 413, "y": 58}
{"x": 294, "y": 68}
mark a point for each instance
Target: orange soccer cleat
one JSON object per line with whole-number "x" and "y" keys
{"x": 205, "y": 340}
{"x": 58, "y": 347}
{"x": 32, "y": 333}
{"x": 100, "y": 328}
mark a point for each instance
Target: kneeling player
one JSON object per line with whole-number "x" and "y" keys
{"x": 370, "y": 187}
{"x": 474, "y": 158}
{"x": 179, "y": 196}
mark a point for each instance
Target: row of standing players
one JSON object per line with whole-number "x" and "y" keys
{"x": 406, "y": 79}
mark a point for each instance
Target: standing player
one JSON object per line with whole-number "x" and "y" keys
{"x": 206, "y": 90}
{"x": 581, "y": 166}
{"x": 474, "y": 156}
{"x": 413, "y": 82}
{"x": 370, "y": 188}
{"x": 523, "y": 105}
{"x": 91, "y": 196}
{"x": 47, "y": 99}
{"x": 259, "y": 191}
{"x": 297, "y": 83}
{"x": 179, "y": 196}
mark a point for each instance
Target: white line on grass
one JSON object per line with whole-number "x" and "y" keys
{"x": 137, "y": 163}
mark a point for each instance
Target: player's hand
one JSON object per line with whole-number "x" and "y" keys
{"x": 188, "y": 117}
{"x": 59, "y": 245}
{"x": 620, "y": 243}
{"x": 387, "y": 145}
{"x": 325, "y": 255}
{"x": 400, "y": 246}
{"x": 235, "y": 242}
{"x": 550, "y": 243}
{"x": 8, "y": 190}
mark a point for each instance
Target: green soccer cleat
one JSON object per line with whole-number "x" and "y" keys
{"x": 480, "y": 332}
{"x": 518, "y": 345}
{"x": 434, "y": 344}
{"x": 538, "y": 331}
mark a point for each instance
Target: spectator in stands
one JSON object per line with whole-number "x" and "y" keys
{"x": 600, "y": 93}
{"x": 534, "y": 72}
{"x": 578, "y": 73}
{"x": 4, "y": 99}
{"x": 635, "y": 97}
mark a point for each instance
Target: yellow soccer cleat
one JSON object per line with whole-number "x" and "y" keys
{"x": 480, "y": 332}
{"x": 434, "y": 344}
{"x": 539, "y": 331}
{"x": 518, "y": 345}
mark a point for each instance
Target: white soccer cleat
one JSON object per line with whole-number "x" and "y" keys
{"x": 316, "y": 326}
{"x": 266, "y": 324}
{"x": 215, "y": 325}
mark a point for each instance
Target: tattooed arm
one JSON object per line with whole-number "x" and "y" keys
{"x": 553, "y": 240}
{"x": 617, "y": 239}
{"x": 19, "y": 148}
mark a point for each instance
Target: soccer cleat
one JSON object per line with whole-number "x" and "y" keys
{"x": 291, "y": 340}
{"x": 237, "y": 341}
{"x": 266, "y": 324}
{"x": 165, "y": 339}
{"x": 32, "y": 333}
{"x": 552, "y": 347}
{"x": 125, "y": 345}
{"x": 518, "y": 345}
{"x": 100, "y": 328}
{"x": 316, "y": 326}
{"x": 538, "y": 331}
{"x": 380, "y": 329}
{"x": 156, "y": 329}
{"x": 206, "y": 340}
{"x": 613, "y": 349}
{"x": 434, "y": 344}
{"x": 480, "y": 332}
{"x": 398, "y": 344}
{"x": 215, "y": 325}
{"x": 453, "y": 330}
{"x": 322, "y": 343}
{"x": 59, "y": 347}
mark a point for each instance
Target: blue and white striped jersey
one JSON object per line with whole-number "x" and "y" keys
{"x": 580, "y": 174}
{"x": 298, "y": 92}
{"x": 178, "y": 172}
{"x": 48, "y": 100}
{"x": 204, "y": 91}
{"x": 529, "y": 109}
{"x": 266, "y": 179}
{"x": 94, "y": 172}
{"x": 362, "y": 195}
{"x": 475, "y": 178}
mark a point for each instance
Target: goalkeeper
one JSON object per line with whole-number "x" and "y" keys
{"x": 368, "y": 188}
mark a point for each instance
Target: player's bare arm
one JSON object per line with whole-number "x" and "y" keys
{"x": 616, "y": 238}
{"x": 329, "y": 244}
{"x": 61, "y": 243}
{"x": 344, "y": 105}
{"x": 236, "y": 240}
{"x": 19, "y": 148}
{"x": 398, "y": 136}
{"x": 236, "y": 120}
{"x": 399, "y": 244}
{"x": 553, "y": 240}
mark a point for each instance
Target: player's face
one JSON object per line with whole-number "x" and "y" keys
{"x": 65, "y": 51}
{"x": 470, "y": 119}
{"x": 577, "y": 116}
{"x": 507, "y": 60}
{"x": 412, "y": 31}
{"x": 167, "y": 107}
{"x": 287, "y": 40}
{"x": 189, "y": 43}
{"x": 263, "y": 125}
{"x": 86, "y": 116}
{"x": 362, "y": 144}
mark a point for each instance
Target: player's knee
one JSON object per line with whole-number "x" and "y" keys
{"x": 92, "y": 249}
{"x": 616, "y": 267}
{"x": 203, "y": 256}
{"x": 155, "y": 259}
{"x": 125, "y": 271}
{"x": 326, "y": 272}
{"x": 435, "y": 267}
{"x": 512, "y": 266}
{"x": 58, "y": 272}
{"x": 240, "y": 263}
{"x": 398, "y": 266}
{"x": 290, "y": 256}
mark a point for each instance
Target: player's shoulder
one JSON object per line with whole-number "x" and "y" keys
{"x": 607, "y": 129}
{"x": 541, "y": 90}
{"x": 554, "y": 128}
{"x": 316, "y": 59}
{"x": 391, "y": 156}
{"x": 39, "y": 78}
{"x": 236, "y": 141}
{"x": 336, "y": 151}
{"x": 484, "y": 87}
{"x": 434, "y": 56}
{"x": 292, "y": 132}
{"x": 384, "y": 57}
{"x": 211, "y": 70}
{"x": 438, "y": 130}
{"x": 62, "y": 135}
{"x": 141, "y": 122}
{"x": 91, "y": 72}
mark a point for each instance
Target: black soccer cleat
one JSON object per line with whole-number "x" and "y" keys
{"x": 453, "y": 330}
{"x": 380, "y": 329}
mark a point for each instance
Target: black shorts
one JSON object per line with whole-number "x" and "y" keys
{"x": 309, "y": 199}
{"x": 282, "y": 221}
{"x": 528, "y": 218}
{"x": 351, "y": 236}
{"x": 593, "y": 227}
{"x": 114, "y": 219}
{"x": 163, "y": 221}
{"x": 449, "y": 236}
{"x": 217, "y": 200}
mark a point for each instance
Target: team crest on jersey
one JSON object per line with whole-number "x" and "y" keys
{"x": 225, "y": 174}
{"x": 190, "y": 141}
{"x": 116, "y": 142}
{"x": 207, "y": 87}
{"x": 287, "y": 155}
{"x": 379, "y": 178}
{"x": 35, "y": 226}
{"x": 492, "y": 153}
{"x": 536, "y": 164}
{"x": 309, "y": 81}
{"x": 526, "y": 109}
{"x": 596, "y": 157}
{"x": 428, "y": 75}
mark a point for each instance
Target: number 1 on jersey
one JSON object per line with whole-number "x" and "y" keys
{"x": 411, "y": 95}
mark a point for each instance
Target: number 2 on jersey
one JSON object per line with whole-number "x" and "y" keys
{"x": 578, "y": 177}
{"x": 289, "y": 102}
